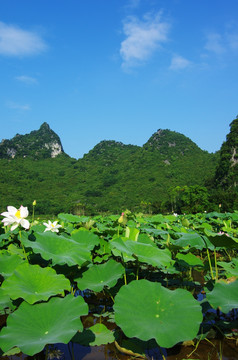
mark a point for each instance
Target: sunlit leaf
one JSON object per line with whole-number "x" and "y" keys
{"x": 31, "y": 327}
{"x": 33, "y": 283}
{"x": 59, "y": 249}
{"x": 98, "y": 276}
{"x": 8, "y": 263}
{"x": 148, "y": 310}
{"x": 85, "y": 238}
{"x": 149, "y": 254}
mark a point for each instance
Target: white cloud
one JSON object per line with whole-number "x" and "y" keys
{"x": 215, "y": 43}
{"x": 179, "y": 63}
{"x": 13, "y": 105}
{"x": 18, "y": 42}
{"x": 27, "y": 79}
{"x": 142, "y": 38}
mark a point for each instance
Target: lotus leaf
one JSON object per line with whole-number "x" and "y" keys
{"x": 59, "y": 248}
{"x": 222, "y": 240}
{"x": 8, "y": 263}
{"x": 85, "y": 238}
{"x": 96, "y": 335}
{"x": 145, "y": 239}
{"x": 15, "y": 350}
{"x": 98, "y": 276}
{"x": 148, "y": 310}
{"x": 5, "y": 301}
{"x": 190, "y": 259}
{"x": 31, "y": 327}
{"x": 14, "y": 250}
{"x": 33, "y": 283}
{"x": 224, "y": 295}
{"x": 119, "y": 248}
{"x": 38, "y": 227}
{"x": 149, "y": 254}
{"x": 231, "y": 268}
{"x": 69, "y": 218}
{"x": 132, "y": 233}
{"x": 193, "y": 240}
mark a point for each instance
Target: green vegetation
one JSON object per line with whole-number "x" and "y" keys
{"x": 169, "y": 173}
{"x": 111, "y": 177}
{"x": 135, "y": 282}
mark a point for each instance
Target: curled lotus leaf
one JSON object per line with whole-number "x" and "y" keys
{"x": 33, "y": 283}
{"x": 149, "y": 254}
{"x": 148, "y": 310}
{"x": 96, "y": 335}
{"x": 59, "y": 249}
{"x": 119, "y": 248}
{"x": 8, "y": 263}
{"x": 189, "y": 260}
{"x": 222, "y": 240}
{"x": 224, "y": 296}
{"x": 98, "y": 276}
{"x": 192, "y": 240}
{"x": 31, "y": 327}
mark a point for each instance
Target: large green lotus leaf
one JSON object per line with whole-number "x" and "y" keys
{"x": 31, "y": 327}
{"x": 231, "y": 268}
{"x": 119, "y": 248}
{"x": 98, "y": 276}
{"x": 149, "y": 254}
{"x": 85, "y": 238}
{"x": 15, "y": 250}
{"x": 8, "y": 263}
{"x": 5, "y": 301}
{"x": 145, "y": 239}
{"x": 190, "y": 259}
{"x": 148, "y": 310}
{"x": 96, "y": 335}
{"x": 193, "y": 240}
{"x": 33, "y": 283}
{"x": 59, "y": 249}
{"x": 222, "y": 240}
{"x": 69, "y": 218}
{"x": 224, "y": 295}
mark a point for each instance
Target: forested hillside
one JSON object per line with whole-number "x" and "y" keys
{"x": 168, "y": 173}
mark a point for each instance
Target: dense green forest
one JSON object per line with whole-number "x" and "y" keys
{"x": 169, "y": 173}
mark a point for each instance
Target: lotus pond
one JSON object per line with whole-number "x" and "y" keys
{"x": 149, "y": 287}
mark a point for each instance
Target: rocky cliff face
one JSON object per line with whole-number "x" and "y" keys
{"x": 227, "y": 170}
{"x": 39, "y": 144}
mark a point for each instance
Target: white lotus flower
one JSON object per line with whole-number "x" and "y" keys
{"x": 16, "y": 217}
{"x": 54, "y": 227}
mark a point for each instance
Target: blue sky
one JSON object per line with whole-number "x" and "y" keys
{"x": 119, "y": 69}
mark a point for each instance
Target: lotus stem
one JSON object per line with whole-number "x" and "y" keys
{"x": 137, "y": 272}
{"x": 215, "y": 259}
{"x": 125, "y": 280}
{"x": 23, "y": 248}
{"x": 210, "y": 265}
{"x": 118, "y": 229}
